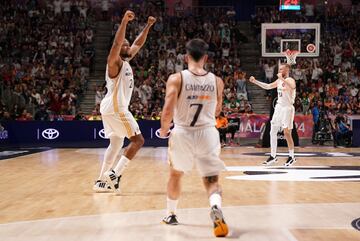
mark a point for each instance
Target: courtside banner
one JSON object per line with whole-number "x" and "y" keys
{"x": 91, "y": 133}
{"x": 67, "y": 134}
{"x": 251, "y": 125}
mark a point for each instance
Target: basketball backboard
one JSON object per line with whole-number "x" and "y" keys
{"x": 278, "y": 37}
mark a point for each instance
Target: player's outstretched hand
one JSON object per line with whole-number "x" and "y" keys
{"x": 129, "y": 16}
{"x": 151, "y": 20}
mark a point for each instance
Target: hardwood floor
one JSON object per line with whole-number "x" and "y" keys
{"x": 48, "y": 195}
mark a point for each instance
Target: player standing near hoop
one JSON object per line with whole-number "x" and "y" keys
{"x": 117, "y": 119}
{"x": 193, "y": 99}
{"x": 284, "y": 113}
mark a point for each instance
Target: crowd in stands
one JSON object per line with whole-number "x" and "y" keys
{"x": 46, "y": 54}
{"x": 44, "y": 64}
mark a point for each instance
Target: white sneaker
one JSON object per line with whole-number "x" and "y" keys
{"x": 113, "y": 180}
{"x": 101, "y": 186}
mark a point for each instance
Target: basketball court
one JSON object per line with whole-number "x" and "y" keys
{"x": 47, "y": 189}
{"x": 49, "y": 197}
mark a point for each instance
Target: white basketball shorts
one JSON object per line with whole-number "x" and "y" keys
{"x": 283, "y": 116}
{"x": 120, "y": 124}
{"x": 196, "y": 146}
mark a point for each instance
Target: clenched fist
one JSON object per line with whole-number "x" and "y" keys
{"x": 151, "y": 20}
{"x": 252, "y": 79}
{"x": 129, "y": 16}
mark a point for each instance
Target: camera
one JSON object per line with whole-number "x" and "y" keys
{"x": 324, "y": 130}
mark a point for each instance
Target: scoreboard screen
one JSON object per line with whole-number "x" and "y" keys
{"x": 289, "y": 5}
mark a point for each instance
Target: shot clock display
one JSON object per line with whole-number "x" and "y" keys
{"x": 289, "y": 5}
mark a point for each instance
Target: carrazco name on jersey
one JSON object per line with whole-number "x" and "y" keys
{"x": 209, "y": 88}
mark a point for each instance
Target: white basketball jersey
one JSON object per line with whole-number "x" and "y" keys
{"x": 119, "y": 91}
{"x": 286, "y": 95}
{"x": 197, "y": 101}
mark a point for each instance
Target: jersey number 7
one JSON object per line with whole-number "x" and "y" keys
{"x": 197, "y": 113}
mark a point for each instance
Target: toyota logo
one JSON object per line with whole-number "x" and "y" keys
{"x": 102, "y": 133}
{"x": 50, "y": 134}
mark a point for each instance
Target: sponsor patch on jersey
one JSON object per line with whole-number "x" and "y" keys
{"x": 198, "y": 97}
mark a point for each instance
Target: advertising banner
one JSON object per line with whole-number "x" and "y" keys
{"x": 91, "y": 133}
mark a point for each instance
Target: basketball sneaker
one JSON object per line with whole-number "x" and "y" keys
{"x": 171, "y": 220}
{"x": 270, "y": 161}
{"x": 113, "y": 180}
{"x": 101, "y": 186}
{"x": 290, "y": 161}
{"x": 220, "y": 227}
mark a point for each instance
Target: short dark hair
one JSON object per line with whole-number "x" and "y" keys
{"x": 286, "y": 65}
{"x": 196, "y": 48}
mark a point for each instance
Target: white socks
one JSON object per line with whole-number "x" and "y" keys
{"x": 111, "y": 153}
{"x": 273, "y": 139}
{"x": 121, "y": 165}
{"x": 291, "y": 153}
{"x": 215, "y": 199}
{"x": 171, "y": 206}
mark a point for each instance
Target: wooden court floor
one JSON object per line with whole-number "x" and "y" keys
{"x": 48, "y": 196}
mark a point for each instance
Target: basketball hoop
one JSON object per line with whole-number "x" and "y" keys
{"x": 291, "y": 56}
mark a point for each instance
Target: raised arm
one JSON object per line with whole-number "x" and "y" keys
{"x": 172, "y": 92}
{"x": 114, "y": 61}
{"x": 220, "y": 91}
{"x": 141, "y": 39}
{"x": 263, "y": 85}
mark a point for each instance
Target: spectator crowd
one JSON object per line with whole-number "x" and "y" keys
{"x": 45, "y": 63}
{"x": 46, "y": 54}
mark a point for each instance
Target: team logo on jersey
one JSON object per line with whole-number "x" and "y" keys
{"x": 102, "y": 133}
{"x": 297, "y": 173}
{"x": 50, "y": 134}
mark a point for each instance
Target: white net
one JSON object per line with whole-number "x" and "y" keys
{"x": 291, "y": 56}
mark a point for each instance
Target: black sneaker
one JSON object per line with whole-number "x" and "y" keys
{"x": 290, "y": 161}
{"x": 270, "y": 161}
{"x": 220, "y": 227}
{"x": 171, "y": 220}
